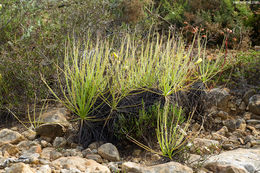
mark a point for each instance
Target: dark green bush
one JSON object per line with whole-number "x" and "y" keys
{"x": 32, "y": 41}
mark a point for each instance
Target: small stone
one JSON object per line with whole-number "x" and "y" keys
{"x": 44, "y": 169}
{"x": 241, "y": 141}
{"x": 247, "y": 95}
{"x": 242, "y": 106}
{"x": 59, "y": 142}
{"x": 232, "y": 106}
{"x": 136, "y": 152}
{"x": 223, "y": 131}
{"x": 216, "y": 136}
{"x": 55, "y": 155}
{"x": 10, "y": 136}
{"x": 257, "y": 126}
{"x": 255, "y": 142}
{"x": 45, "y": 144}
{"x": 109, "y": 151}
{"x": 46, "y": 153}
{"x": 72, "y": 152}
{"x": 19, "y": 167}
{"x": 29, "y": 134}
{"x": 254, "y": 131}
{"x": 95, "y": 157}
{"x": 155, "y": 157}
{"x": 31, "y": 146}
{"x": 204, "y": 146}
{"x": 32, "y": 157}
{"x": 113, "y": 167}
{"x": 95, "y": 145}
{"x": 94, "y": 151}
{"x": 223, "y": 115}
{"x": 12, "y": 150}
{"x": 254, "y": 104}
{"x": 248, "y": 138}
{"x": 70, "y": 170}
{"x": 247, "y": 115}
{"x": 232, "y": 125}
{"x": 253, "y": 122}
{"x": 86, "y": 151}
{"x": 136, "y": 160}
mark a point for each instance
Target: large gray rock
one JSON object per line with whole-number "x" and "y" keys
{"x": 54, "y": 123}
{"x": 84, "y": 165}
{"x": 10, "y": 136}
{"x": 109, "y": 151}
{"x": 239, "y": 160}
{"x": 170, "y": 167}
{"x": 254, "y": 104}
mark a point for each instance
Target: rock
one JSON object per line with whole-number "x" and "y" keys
{"x": 217, "y": 167}
{"x": 170, "y": 167}
{"x": 86, "y": 151}
{"x": 257, "y": 126}
{"x": 223, "y": 115}
{"x": 242, "y": 106}
{"x": 136, "y": 152}
{"x": 247, "y": 95}
{"x": 223, "y": 131}
{"x": 19, "y": 168}
{"x": 113, "y": 167}
{"x": 45, "y": 144}
{"x": 204, "y": 146}
{"x": 95, "y": 157}
{"x": 54, "y": 123}
{"x": 26, "y": 145}
{"x": 44, "y": 169}
{"x": 59, "y": 142}
{"x": 9, "y": 136}
{"x": 219, "y": 97}
{"x": 46, "y": 152}
{"x": 12, "y": 150}
{"x": 71, "y": 170}
{"x": 95, "y": 145}
{"x": 55, "y": 155}
{"x": 252, "y": 122}
{"x": 247, "y": 115}
{"x": 29, "y": 134}
{"x": 72, "y": 152}
{"x": 254, "y": 104}
{"x": 109, "y": 151}
{"x": 253, "y": 129}
{"x": 193, "y": 159}
{"x": 84, "y": 165}
{"x": 33, "y": 158}
{"x": 239, "y": 160}
{"x": 232, "y": 125}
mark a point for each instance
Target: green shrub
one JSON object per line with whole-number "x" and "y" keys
{"x": 32, "y": 39}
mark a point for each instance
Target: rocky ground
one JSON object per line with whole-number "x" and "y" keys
{"x": 228, "y": 141}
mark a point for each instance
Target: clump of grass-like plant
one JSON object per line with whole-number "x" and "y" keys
{"x": 102, "y": 75}
{"x": 171, "y": 134}
{"x": 84, "y": 77}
